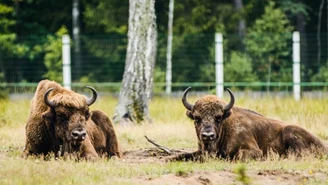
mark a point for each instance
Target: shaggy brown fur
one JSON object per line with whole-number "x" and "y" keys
{"x": 49, "y": 127}
{"x": 241, "y": 134}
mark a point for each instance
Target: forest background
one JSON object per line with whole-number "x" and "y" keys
{"x": 257, "y": 40}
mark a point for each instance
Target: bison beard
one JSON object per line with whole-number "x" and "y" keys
{"x": 61, "y": 117}
{"x": 231, "y": 132}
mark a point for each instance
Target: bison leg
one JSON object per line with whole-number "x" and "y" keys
{"x": 194, "y": 156}
{"x": 246, "y": 154}
{"x": 40, "y": 148}
{"x": 87, "y": 151}
{"x": 297, "y": 140}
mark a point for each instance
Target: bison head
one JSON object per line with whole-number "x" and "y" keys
{"x": 208, "y": 114}
{"x": 69, "y": 114}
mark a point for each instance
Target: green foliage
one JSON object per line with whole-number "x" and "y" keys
{"x": 106, "y": 16}
{"x": 159, "y": 77}
{"x": 6, "y": 22}
{"x": 204, "y": 16}
{"x": 294, "y": 8}
{"x": 239, "y": 69}
{"x": 266, "y": 35}
{"x": 108, "y": 57}
{"x": 266, "y": 43}
{"x": 4, "y": 92}
{"x": 8, "y": 45}
{"x": 194, "y": 25}
{"x": 207, "y": 73}
{"x": 7, "y": 42}
{"x": 53, "y": 56}
{"x": 26, "y": 26}
{"x": 107, "y": 51}
{"x": 321, "y": 76}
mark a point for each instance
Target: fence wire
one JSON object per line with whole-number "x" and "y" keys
{"x": 101, "y": 60}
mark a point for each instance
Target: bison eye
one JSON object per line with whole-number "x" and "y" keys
{"x": 87, "y": 115}
{"x": 218, "y": 119}
{"x": 62, "y": 117}
{"x": 197, "y": 119}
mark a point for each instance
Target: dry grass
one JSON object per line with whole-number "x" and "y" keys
{"x": 170, "y": 127}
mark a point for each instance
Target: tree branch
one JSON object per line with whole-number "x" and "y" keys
{"x": 165, "y": 149}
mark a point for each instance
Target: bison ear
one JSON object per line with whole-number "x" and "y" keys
{"x": 47, "y": 115}
{"x": 227, "y": 114}
{"x": 88, "y": 114}
{"x": 189, "y": 114}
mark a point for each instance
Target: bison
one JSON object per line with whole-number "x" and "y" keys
{"x": 60, "y": 120}
{"x": 234, "y": 133}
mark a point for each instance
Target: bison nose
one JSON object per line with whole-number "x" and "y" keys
{"x": 208, "y": 136}
{"x": 79, "y": 135}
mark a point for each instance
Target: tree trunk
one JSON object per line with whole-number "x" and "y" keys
{"x": 318, "y": 33}
{"x": 301, "y": 27}
{"x": 241, "y": 27}
{"x": 139, "y": 64}
{"x": 169, "y": 49}
{"x": 76, "y": 38}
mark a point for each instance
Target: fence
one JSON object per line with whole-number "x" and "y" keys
{"x": 249, "y": 63}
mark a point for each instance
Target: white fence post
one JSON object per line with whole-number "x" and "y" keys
{"x": 296, "y": 66}
{"x": 219, "y": 64}
{"x": 66, "y": 49}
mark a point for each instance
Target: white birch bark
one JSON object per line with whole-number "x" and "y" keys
{"x": 169, "y": 50}
{"x": 137, "y": 81}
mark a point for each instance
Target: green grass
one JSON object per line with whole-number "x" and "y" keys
{"x": 170, "y": 127}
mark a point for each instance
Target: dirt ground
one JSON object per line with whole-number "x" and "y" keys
{"x": 226, "y": 177}
{"x": 273, "y": 177}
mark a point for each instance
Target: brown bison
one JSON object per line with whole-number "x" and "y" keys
{"x": 231, "y": 132}
{"x": 61, "y": 117}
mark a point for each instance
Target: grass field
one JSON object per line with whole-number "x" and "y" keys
{"x": 171, "y": 128}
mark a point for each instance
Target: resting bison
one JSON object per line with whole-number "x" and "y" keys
{"x": 61, "y": 117}
{"x": 231, "y": 132}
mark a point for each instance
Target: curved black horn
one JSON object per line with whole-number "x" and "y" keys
{"x": 46, "y": 100}
{"x": 94, "y": 96}
{"x": 231, "y": 103}
{"x": 184, "y": 100}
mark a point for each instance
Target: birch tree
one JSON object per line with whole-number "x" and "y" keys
{"x": 169, "y": 49}
{"x": 241, "y": 26}
{"x": 137, "y": 81}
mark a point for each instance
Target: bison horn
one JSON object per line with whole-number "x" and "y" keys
{"x": 47, "y": 101}
{"x": 94, "y": 96}
{"x": 231, "y": 103}
{"x": 184, "y": 100}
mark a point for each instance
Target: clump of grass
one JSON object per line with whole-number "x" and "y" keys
{"x": 181, "y": 173}
{"x": 242, "y": 176}
{"x": 4, "y": 93}
{"x": 127, "y": 138}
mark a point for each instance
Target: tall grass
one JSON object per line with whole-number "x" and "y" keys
{"x": 169, "y": 127}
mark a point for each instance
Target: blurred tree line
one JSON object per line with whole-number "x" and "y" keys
{"x": 257, "y": 39}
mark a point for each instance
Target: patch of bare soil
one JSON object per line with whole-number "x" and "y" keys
{"x": 149, "y": 155}
{"x": 227, "y": 177}
{"x": 267, "y": 177}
